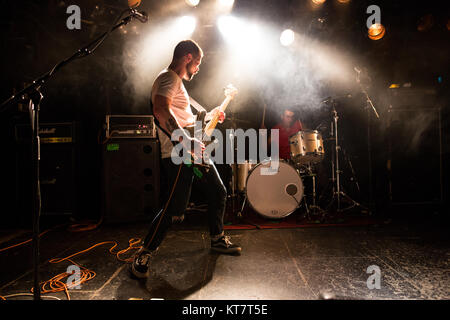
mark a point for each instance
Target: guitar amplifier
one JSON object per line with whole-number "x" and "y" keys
{"x": 62, "y": 132}
{"x": 131, "y": 180}
{"x": 59, "y": 169}
{"x": 130, "y": 126}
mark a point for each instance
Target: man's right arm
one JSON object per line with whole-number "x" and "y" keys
{"x": 162, "y": 111}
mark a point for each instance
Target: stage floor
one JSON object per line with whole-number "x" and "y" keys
{"x": 275, "y": 264}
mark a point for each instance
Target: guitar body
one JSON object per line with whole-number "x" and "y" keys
{"x": 207, "y": 130}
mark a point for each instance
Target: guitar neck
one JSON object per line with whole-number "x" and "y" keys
{"x": 213, "y": 123}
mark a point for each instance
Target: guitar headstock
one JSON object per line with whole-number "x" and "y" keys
{"x": 230, "y": 91}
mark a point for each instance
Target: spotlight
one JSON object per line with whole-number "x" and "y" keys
{"x": 229, "y": 26}
{"x": 192, "y": 3}
{"x": 376, "y": 31}
{"x": 318, "y": 1}
{"x": 425, "y": 23}
{"x": 287, "y": 37}
{"x": 245, "y": 37}
{"x": 343, "y": 1}
{"x": 186, "y": 25}
{"x": 238, "y": 31}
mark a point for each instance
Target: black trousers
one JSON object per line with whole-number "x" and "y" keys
{"x": 212, "y": 188}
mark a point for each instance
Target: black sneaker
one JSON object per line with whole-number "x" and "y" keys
{"x": 140, "y": 266}
{"x": 224, "y": 245}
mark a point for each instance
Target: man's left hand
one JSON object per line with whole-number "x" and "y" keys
{"x": 222, "y": 114}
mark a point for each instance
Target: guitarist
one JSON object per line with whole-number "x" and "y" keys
{"x": 172, "y": 111}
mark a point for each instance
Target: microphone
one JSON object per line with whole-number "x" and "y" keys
{"x": 357, "y": 69}
{"x": 142, "y": 16}
{"x": 330, "y": 99}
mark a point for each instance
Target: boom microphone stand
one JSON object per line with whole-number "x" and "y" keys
{"x": 369, "y": 106}
{"x": 33, "y": 95}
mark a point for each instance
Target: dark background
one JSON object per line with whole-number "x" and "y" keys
{"x": 34, "y": 38}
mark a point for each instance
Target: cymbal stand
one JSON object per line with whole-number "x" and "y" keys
{"x": 233, "y": 165}
{"x": 337, "y": 192}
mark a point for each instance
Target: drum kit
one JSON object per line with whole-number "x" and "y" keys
{"x": 276, "y": 196}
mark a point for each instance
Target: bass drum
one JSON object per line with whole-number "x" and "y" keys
{"x": 274, "y": 195}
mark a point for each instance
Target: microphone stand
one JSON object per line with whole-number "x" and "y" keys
{"x": 369, "y": 106}
{"x": 338, "y": 193}
{"x": 33, "y": 95}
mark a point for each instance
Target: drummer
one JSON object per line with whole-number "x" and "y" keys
{"x": 288, "y": 126}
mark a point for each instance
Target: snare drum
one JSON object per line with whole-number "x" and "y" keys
{"x": 306, "y": 147}
{"x": 274, "y": 195}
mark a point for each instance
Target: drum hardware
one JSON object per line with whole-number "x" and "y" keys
{"x": 239, "y": 172}
{"x": 352, "y": 170}
{"x": 335, "y": 173}
{"x": 234, "y": 194}
{"x": 307, "y": 149}
{"x": 313, "y": 209}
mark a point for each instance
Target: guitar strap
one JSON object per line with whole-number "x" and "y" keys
{"x": 197, "y": 106}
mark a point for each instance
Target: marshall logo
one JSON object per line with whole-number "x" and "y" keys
{"x": 49, "y": 181}
{"x": 47, "y": 130}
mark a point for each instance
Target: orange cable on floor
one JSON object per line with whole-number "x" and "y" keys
{"x": 56, "y": 284}
{"x": 24, "y": 242}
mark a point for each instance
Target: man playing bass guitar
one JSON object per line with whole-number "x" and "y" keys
{"x": 172, "y": 111}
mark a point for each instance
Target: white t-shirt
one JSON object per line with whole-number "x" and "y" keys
{"x": 169, "y": 84}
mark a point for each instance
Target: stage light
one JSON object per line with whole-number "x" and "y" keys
{"x": 425, "y": 23}
{"x": 186, "y": 25}
{"x": 376, "y": 31}
{"x": 229, "y": 26}
{"x": 240, "y": 33}
{"x": 344, "y": 1}
{"x": 134, "y": 3}
{"x": 318, "y": 1}
{"x": 287, "y": 37}
{"x": 192, "y": 3}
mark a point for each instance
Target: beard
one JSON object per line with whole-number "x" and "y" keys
{"x": 189, "y": 73}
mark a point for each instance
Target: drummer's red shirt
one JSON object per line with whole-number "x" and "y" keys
{"x": 284, "y": 134}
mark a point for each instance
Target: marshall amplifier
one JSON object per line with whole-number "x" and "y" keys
{"x": 62, "y": 132}
{"x": 59, "y": 160}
